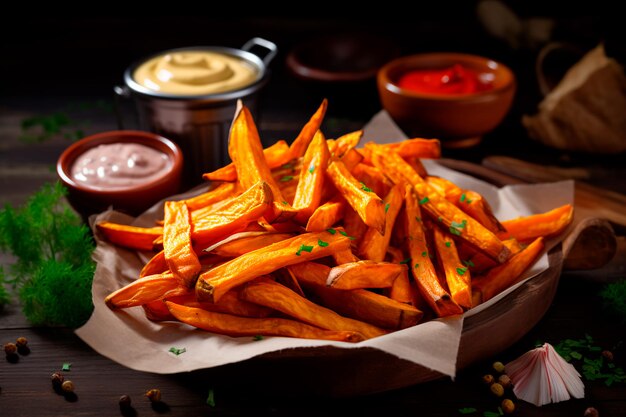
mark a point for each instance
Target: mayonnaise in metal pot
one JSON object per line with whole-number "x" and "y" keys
{"x": 195, "y": 72}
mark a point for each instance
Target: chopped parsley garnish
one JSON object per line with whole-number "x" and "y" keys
{"x": 461, "y": 271}
{"x": 210, "y": 400}
{"x": 321, "y": 243}
{"x": 365, "y": 188}
{"x": 440, "y": 218}
{"x": 418, "y": 219}
{"x": 469, "y": 201}
{"x": 387, "y": 207}
{"x": 288, "y": 165}
{"x": 467, "y": 410}
{"x": 286, "y": 178}
{"x": 424, "y": 200}
{"x": 311, "y": 168}
{"x": 456, "y": 228}
{"x": 424, "y": 254}
{"x": 448, "y": 243}
{"x": 66, "y": 367}
{"x": 331, "y": 231}
{"x": 462, "y": 199}
{"x": 416, "y": 266}
{"x": 469, "y": 263}
{"x": 285, "y": 203}
{"x": 341, "y": 232}
{"x": 305, "y": 248}
{"x": 177, "y": 351}
{"x": 405, "y": 261}
{"x": 257, "y": 337}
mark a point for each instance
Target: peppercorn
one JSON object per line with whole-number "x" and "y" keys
{"x": 507, "y": 406}
{"x": 67, "y": 386}
{"x": 489, "y": 379}
{"x": 498, "y": 367}
{"x": 21, "y": 342}
{"x": 154, "y": 395}
{"x": 10, "y": 348}
{"x": 608, "y": 355}
{"x": 497, "y": 389}
{"x": 591, "y": 412}
{"x": 504, "y": 380}
{"x": 57, "y": 379}
{"x": 124, "y": 402}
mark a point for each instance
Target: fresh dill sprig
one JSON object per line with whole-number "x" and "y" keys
{"x": 53, "y": 270}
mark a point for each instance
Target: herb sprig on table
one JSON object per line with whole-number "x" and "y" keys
{"x": 53, "y": 270}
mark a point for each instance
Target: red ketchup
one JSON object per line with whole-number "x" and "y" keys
{"x": 454, "y": 80}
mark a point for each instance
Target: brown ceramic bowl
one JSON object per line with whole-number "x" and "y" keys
{"x": 133, "y": 199}
{"x": 458, "y": 120}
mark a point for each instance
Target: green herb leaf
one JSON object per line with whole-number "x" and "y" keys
{"x": 418, "y": 219}
{"x": 461, "y": 271}
{"x": 341, "y": 232}
{"x": 500, "y": 411}
{"x": 424, "y": 254}
{"x": 467, "y": 410}
{"x": 286, "y": 178}
{"x": 331, "y": 231}
{"x": 257, "y": 337}
{"x": 365, "y": 188}
{"x": 311, "y": 168}
{"x": 459, "y": 225}
{"x": 66, "y": 367}
{"x": 177, "y": 351}
{"x": 440, "y": 219}
{"x": 424, "y": 200}
{"x": 491, "y": 414}
{"x": 576, "y": 355}
{"x": 285, "y": 203}
{"x": 462, "y": 199}
{"x": 469, "y": 263}
{"x": 387, "y": 207}
{"x": 448, "y": 244}
{"x": 405, "y": 261}
{"x": 304, "y": 248}
{"x": 288, "y": 165}
{"x": 416, "y": 266}
{"x": 210, "y": 400}
{"x": 321, "y": 243}
{"x": 469, "y": 201}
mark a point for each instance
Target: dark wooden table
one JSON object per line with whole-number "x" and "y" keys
{"x": 32, "y": 84}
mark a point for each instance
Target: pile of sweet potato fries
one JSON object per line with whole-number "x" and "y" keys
{"x": 319, "y": 239}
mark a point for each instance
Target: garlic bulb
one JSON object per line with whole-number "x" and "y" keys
{"x": 542, "y": 376}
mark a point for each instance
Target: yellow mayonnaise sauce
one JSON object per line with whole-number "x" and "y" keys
{"x": 195, "y": 73}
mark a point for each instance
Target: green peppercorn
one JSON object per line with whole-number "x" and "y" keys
{"x": 498, "y": 367}
{"x": 154, "y": 395}
{"x": 10, "y": 348}
{"x": 507, "y": 406}
{"x": 497, "y": 389}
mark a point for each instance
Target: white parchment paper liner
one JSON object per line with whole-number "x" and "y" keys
{"x": 130, "y": 339}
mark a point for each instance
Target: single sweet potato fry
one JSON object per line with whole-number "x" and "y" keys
{"x": 401, "y": 290}
{"x": 346, "y": 142}
{"x": 145, "y": 290}
{"x": 214, "y": 195}
{"x": 233, "y": 216}
{"x": 326, "y": 215}
{"x": 344, "y": 257}
{"x": 478, "y": 261}
{"x": 457, "y": 275}
{"x": 179, "y": 254}
{"x": 231, "y": 248}
{"x": 362, "y": 199}
{"x": 275, "y": 155}
{"x": 301, "y": 143}
{"x": 130, "y": 237}
{"x": 230, "y": 303}
{"x": 244, "y": 147}
{"x": 364, "y": 274}
{"x": 156, "y": 265}
{"x": 358, "y": 304}
{"x": 373, "y": 177}
{"x": 422, "y": 267}
{"x": 244, "y": 326}
{"x": 373, "y": 245}
{"x": 411, "y": 148}
{"x": 274, "y": 295}
{"x": 351, "y": 159}
{"x": 311, "y": 180}
{"x": 353, "y": 224}
{"x": 214, "y": 283}
{"x": 503, "y": 276}
{"x": 550, "y": 223}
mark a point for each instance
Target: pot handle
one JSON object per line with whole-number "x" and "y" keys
{"x": 120, "y": 93}
{"x": 262, "y": 43}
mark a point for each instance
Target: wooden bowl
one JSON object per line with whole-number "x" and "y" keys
{"x": 133, "y": 199}
{"x": 457, "y": 120}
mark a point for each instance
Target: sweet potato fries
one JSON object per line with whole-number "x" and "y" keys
{"x": 322, "y": 240}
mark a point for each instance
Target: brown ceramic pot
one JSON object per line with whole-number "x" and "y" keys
{"x": 133, "y": 199}
{"x": 458, "y": 120}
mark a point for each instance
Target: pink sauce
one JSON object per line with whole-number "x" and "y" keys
{"x": 120, "y": 165}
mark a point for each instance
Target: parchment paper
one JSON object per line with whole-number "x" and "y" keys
{"x": 130, "y": 339}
